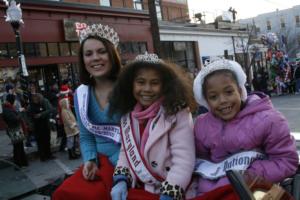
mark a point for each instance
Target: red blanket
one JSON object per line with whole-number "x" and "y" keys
{"x": 76, "y": 187}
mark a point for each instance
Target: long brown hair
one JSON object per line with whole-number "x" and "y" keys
{"x": 113, "y": 56}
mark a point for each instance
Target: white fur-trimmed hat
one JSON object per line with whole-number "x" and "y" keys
{"x": 214, "y": 66}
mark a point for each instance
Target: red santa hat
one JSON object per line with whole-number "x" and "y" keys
{"x": 64, "y": 89}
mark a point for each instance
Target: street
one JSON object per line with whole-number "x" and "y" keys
{"x": 40, "y": 174}
{"x": 290, "y": 106}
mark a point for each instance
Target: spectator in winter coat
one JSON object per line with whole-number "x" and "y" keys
{"x": 14, "y": 123}
{"x": 40, "y": 111}
{"x": 297, "y": 79}
{"x": 71, "y": 128}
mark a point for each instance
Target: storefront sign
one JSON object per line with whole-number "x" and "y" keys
{"x": 72, "y": 28}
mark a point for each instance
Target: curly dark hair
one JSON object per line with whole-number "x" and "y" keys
{"x": 113, "y": 56}
{"x": 176, "y": 88}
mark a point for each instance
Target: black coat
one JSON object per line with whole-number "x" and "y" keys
{"x": 11, "y": 117}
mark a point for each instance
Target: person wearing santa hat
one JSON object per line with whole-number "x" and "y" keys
{"x": 64, "y": 93}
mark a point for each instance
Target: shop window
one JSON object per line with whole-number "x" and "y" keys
{"x": 143, "y": 47}
{"x": 12, "y": 49}
{"x": 297, "y": 19}
{"x": 64, "y": 49}
{"x": 74, "y": 48}
{"x": 138, "y": 4}
{"x": 41, "y": 49}
{"x": 64, "y": 72}
{"x": 53, "y": 49}
{"x": 125, "y": 47}
{"x": 135, "y": 48}
{"x": 105, "y": 3}
{"x": 29, "y": 49}
{"x": 75, "y": 74}
{"x": 3, "y": 51}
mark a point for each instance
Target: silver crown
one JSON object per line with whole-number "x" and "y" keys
{"x": 100, "y": 30}
{"x": 147, "y": 57}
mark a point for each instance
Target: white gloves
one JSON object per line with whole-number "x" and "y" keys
{"x": 119, "y": 191}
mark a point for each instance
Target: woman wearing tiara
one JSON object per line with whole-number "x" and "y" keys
{"x": 158, "y": 154}
{"x": 99, "y": 64}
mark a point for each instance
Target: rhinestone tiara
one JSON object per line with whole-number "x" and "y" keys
{"x": 148, "y": 57}
{"x": 100, "y": 30}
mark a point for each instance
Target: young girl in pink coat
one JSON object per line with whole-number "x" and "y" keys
{"x": 157, "y": 155}
{"x": 239, "y": 132}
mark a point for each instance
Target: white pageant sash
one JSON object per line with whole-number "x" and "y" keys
{"x": 110, "y": 131}
{"x": 239, "y": 161}
{"x": 132, "y": 153}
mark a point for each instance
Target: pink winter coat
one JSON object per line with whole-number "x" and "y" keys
{"x": 169, "y": 151}
{"x": 258, "y": 126}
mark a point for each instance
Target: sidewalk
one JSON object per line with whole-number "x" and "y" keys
{"x": 34, "y": 177}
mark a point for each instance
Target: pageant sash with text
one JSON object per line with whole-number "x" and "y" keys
{"x": 239, "y": 161}
{"x": 132, "y": 152}
{"x": 110, "y": 131}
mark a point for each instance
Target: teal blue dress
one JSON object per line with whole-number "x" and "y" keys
{"x": 91, "y": 145}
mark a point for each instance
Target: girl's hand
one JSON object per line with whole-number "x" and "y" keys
{"x": 165, "y": 197}
{"x": 89, "y": 170}
{"x": 119, "y": 191}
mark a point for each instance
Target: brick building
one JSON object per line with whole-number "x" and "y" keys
{"x": 167, "y": 10}
{"x": 50, "y": 41}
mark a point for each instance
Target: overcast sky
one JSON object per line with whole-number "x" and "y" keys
{"x": 244, "y": 8}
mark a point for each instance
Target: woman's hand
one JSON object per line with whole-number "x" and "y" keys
{"x": 89, "y": 170}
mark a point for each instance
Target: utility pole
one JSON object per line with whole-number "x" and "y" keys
{"x": 154, "y": 26}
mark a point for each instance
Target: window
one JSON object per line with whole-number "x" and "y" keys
{"x": 282, "y": 23}
{"x": 269, "y": 25}
{"x": 64, "y": 49}
{"x": 143, "y": 47}
{"x": 105, "y": 3}
{"x": 29, "y": 49}
{"x": 12, "y": 49}
{"x": 41, "y": 49}
{"x": 3, "y": 51}
{"x": 53, "y": 49}
{"x": 298, "y": 38}
{"x": 297, "y": 19}
{"x": 158, "y": 10}
{"x": 125, "y": 47}
{"x": 133, "y": 47}
{"x": 74, "y": 48}
{"x": 138, "y": 4}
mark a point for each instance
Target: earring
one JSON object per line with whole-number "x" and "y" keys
{"x": 91, "y": 76}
